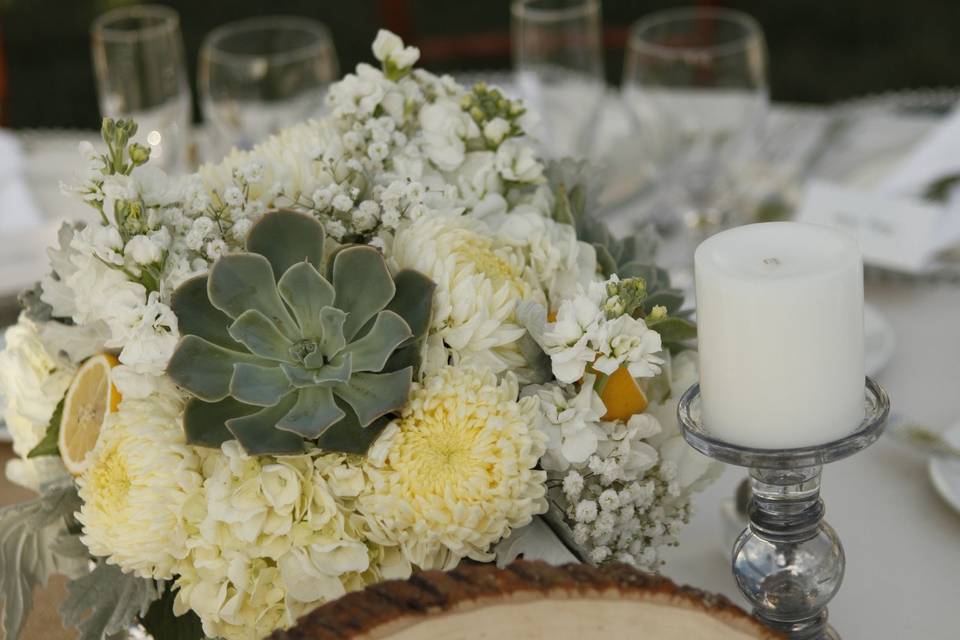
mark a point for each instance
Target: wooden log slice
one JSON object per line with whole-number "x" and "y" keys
{"x": 529, "y": 600}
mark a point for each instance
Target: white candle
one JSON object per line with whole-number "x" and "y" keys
{"x": 780, "y": 319}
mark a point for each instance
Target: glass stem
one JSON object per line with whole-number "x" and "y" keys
{"x": 789, "y": 562}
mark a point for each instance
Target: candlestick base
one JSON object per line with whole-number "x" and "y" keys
{"x": 788, "y": 562}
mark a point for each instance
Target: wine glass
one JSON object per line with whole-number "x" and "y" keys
{"x": 696, "y": 81}
{"x": 557, "y": 48}
{"x": 139, "y": 65}
{"x": 260, "y": 75}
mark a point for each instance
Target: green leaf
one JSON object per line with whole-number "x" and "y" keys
{"x": 205, "y": 423}
{"x": 348, "y": 435}
{"x": 372, "y": 395}
{"x": 242, "y": 281}
{"x": 306, "y": 292}
{"x": 313, "y": 413}
{"x": 196, "y": 316}
{"x": 370, "y": 353}
{"x": 671, "y": 299}
{"x": 674, "y": 329}
{"x": 29, "y": 532}
{"x": 161, "y": 624}
{"x": 49, "y": 446}
{"x": 205, "y": 369}
{"x": 261, "y": 386}
{"x": 413, "y": 300}
{"x": 114, "y": 600}
{"x": 261, "y": 337}
{"x": 258, "y": 434}
{"x": 363, "y": 285}
{"x": 286, "y": 238}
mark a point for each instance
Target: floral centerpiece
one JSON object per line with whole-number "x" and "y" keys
{"x": 387, "y": 340}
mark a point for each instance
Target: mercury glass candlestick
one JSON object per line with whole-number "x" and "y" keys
{"x": 788, "y": 562}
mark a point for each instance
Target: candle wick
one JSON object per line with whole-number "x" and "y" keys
{"x": 771, "y": 262}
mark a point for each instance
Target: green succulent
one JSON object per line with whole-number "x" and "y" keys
{"x": 275, "y": 352}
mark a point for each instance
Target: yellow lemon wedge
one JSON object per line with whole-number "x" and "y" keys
{"x": 90, "y": 398}
{"x": 622, "y": 396}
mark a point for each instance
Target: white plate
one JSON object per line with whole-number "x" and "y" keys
{"x": 879, "y": 340}
{"x": 945, "y": 472}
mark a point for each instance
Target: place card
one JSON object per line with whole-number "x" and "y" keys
{"x": 897, "y": 233}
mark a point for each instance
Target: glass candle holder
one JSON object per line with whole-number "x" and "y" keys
{"x": 788, "y": 562}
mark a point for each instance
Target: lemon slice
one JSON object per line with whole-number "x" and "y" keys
{"x": 90, "y": 398}
{"x": 622, "y": 396}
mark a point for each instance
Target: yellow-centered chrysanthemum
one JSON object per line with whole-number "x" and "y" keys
{"x": 139, "y": 477}
{"x": 455, "y": 473}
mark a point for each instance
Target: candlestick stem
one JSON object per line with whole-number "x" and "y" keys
{"x": 789, "y": 563}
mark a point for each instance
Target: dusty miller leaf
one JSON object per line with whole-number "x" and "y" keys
{"x": 536, "y": 541}
{"x": 28, "y": 533}
{"x": 113, "y": 598}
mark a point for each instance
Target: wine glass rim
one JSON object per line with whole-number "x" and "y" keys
{"x": 751, "y": 30}
{"x": 524, "y": 9}
{"x": 167, "y": 21}
{"x": 321, "y": 42}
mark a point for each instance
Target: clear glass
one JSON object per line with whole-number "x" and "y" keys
{"x": 260, "y": 75}
{"x": 557, "y": 48}
{"x": 788, "y": 562}
{"x": 696, "y": 82}
{"x": 139, "y": 65}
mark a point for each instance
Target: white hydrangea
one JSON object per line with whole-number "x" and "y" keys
{"x": 570, "y": 422}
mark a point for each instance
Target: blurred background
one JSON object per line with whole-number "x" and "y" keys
{"x": 820, "y": 51}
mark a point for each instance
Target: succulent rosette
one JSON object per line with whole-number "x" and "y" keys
{"x": 275, "y": 353}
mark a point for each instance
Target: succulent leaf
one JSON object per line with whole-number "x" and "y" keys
{"x": 261, "y": 337}
{"x": 258, "y": 434}
{"x": 286, "y": 238}
{"x": 363, "y": 283}
{"x": 306, "y": 292}
{"x": 275, "y": 353}
{"x": 413, "y": 300}
{"x": 260, "y": 386}
{"x": 348, "y": 435}
{"x": 313, "y": 413}
{"x": 370, "y": 353}
{"x": 205, "y": 369}
{"x": 243, "y": 281}
{"x": 204, "y": 423}
{"x": 196, "y": 316}
{"x": 372, "y": 395}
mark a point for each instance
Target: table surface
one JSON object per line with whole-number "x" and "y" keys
{"x": 902, "y": 540}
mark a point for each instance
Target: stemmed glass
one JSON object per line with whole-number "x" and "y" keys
{"x": 557, "y": 48}
{"x": 138, "y": 61}
{"x": 696, "y": 81}
{"x": 260, "y": 75}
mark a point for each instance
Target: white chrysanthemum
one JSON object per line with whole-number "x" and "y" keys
{"x": 479, "y": 283}
{"x": 271, "y": 538}
{"x": 134, "y": 492}
{"x": 32, "y": 381}
{"x": 456, "y": 473}
{"x": 570, "y": 422}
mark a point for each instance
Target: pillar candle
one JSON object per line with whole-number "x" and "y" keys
{"x": 780, "y": 320}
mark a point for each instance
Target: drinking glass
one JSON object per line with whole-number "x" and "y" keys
{"x": 557, "y": 48}
{"x": 138, "y": 61}
{"x": 696, "y": 81}
{"x": 260, "y": 75}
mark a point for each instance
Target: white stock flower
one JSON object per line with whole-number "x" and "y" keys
{"x": 517, "y": 162}
{"x": 143, "y": 250}
{"x": 445, "y": 129}
{"x": 388, "y": 48}
{"x": 570, "y": 422}
{"x": 629, "y": 342}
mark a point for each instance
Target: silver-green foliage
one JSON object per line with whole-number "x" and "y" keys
{"x": 106, "y": 601}
{"x": 281, "y": 345}
{"x": 29, "y": 533}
